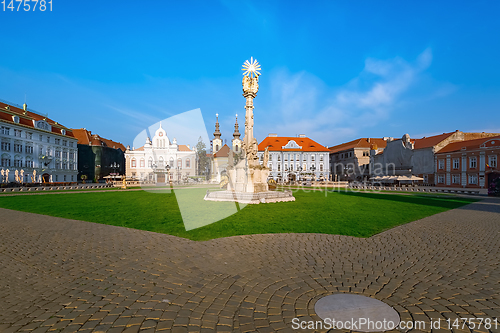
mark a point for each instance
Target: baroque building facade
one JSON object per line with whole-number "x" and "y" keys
{"x": 292, "y": 158}
{"x": 98, "y": 157}
{"x": 221, "y": 151}
{"x": 160, "y": 160}
{"x": 34, "y": 148}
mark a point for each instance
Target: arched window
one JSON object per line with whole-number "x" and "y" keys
{"x": 133, "y": 163}
{"x": 188, "y": 163}
{"x": 142, "y": 164}
{"x": 171, "y": 162}
{"x": 236, "y": 148}
{"x": 150, "y": 162}
{"x": 160, "y": 162}
{"x": 216, "y": 147}
{"x": 179, "y": 162}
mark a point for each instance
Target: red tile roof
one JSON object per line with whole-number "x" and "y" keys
{"x": 183, "y": 148}
{"x": 431, "y": 141}
{"x": 277, "y": 143}
{"x": 86, "y": 137}
{"x": 471, "y": 144}
{"x": 26, "y": 118}
{"x": 223, "y": 152}
{"x": 359, "y": 143}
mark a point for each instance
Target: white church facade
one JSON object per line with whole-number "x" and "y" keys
{"x": 161, "y": 160}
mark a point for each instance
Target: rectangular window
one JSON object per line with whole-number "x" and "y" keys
{"x": 5, "y": 162}
{"x": 29, "y": 149}
{"x": 57, "y": 178}
{"x": 473, "y": 179}
{"x": 18, "y": 148}
{"x": 65, "y": 142}
{"x": 492, "y": 161}
{"x": 441, "y": 164}
{"x": 40, "y": 137}
{"x": 455, "y": 179}
{"x": 440, "y": 179}
{"x": 472, "y": 162}
{"x": 64, "y": 177}
{"x": 6, "y": 146}
{"x": 456, "y": 163}
{"x": 29, "y": 135}
{"x": 48, "y": 139}
{"x": 58, "y": 154}
{"x": 40, "y": 150}
{"x": 17, "y": 133}
{"x": 29, "y": 164}
{"x": 57, "y": 141}
{"x": 71, "y": 143}
{"x": 71, "y": 155}
{"x": 18, "y": 163}
{"x": 4, "y": 130}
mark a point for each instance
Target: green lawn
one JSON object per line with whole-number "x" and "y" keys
{"x": 359, "y": 214}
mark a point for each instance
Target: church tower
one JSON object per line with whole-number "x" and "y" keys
{"x": 236, "y": 138}
{"x": 217, "y": 142}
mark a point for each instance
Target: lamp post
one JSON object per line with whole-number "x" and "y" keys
{"x": 168, "y": 173}
{"x": 179, "y": 168}
{"x": 114, "y": 166}
{"x": 154, "y": 166}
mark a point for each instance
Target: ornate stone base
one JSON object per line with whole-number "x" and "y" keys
{"x": 250, "y": 198}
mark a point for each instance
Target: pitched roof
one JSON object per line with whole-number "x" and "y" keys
{"x": 223, "y": 152}
{"x": 359, "y": 143}
{"x": 87, "y": 138}
{"x": 276, "y": 143}
{"x": 471, "y": 144}
{"x": 26, "y": 118}
{"x": 183, "y": 148}
{"x": 431, "y": 141}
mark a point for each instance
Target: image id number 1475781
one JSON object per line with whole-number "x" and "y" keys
{"x": 26, "y": 5}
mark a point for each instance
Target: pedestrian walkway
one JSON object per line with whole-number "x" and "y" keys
{"x": 66, "y": 275}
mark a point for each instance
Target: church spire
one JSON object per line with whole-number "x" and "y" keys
{"x": 236, "y": 133}
{"x": 217, "y": 133}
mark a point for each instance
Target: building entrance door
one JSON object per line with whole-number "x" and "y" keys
{"x": 160, "y": 178}
{"x": 45, "y": 178}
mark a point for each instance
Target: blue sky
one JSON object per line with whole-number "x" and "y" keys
{"x": 334, "y": 70}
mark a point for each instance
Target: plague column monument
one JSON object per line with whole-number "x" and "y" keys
{"x": 248, "y": 178}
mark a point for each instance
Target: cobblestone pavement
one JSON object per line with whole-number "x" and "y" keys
{"x": 65, "y": 275}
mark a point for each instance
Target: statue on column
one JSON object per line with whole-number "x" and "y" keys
{"x": 266, "y": 156}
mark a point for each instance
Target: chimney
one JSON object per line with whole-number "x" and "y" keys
{"x": 272, "y": 135}
{"x": 302, "y": 135}
{"x": 25, "y": 107}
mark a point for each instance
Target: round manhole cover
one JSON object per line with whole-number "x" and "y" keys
{"x": 357, "y": 313}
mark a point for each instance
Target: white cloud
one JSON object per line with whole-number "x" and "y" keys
{"x": 331, "y": 115}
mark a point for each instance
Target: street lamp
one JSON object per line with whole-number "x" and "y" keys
{"x": 114, "y": 166}
{"x": 179, "y": 168}
{"x": 168, "y": 173}
{"x": 154, "y": 166}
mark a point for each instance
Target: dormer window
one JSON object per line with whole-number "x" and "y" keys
{"x": 41, "y": 124}
{"x": 16, "y": 119}
{"x": 63, "y": 132}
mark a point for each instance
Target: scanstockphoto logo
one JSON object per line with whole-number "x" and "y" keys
{"x": 173, "y": 156}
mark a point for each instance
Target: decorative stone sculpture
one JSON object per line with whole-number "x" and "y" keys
{"x": 248, "y": 179}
